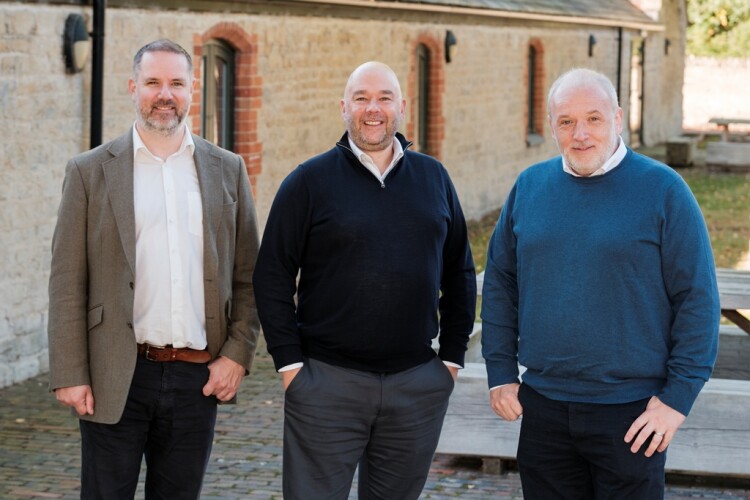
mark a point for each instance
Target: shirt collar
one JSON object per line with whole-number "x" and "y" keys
{"x": 187, "y": 143}
{"x": 367, "y": 162}
{"x": 610, "y": 164}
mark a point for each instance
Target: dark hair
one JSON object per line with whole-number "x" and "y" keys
{"x": 162, "y": 45}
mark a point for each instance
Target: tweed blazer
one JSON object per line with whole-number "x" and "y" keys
{"x": 92, "y": 275}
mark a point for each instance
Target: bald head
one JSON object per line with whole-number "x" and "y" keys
{"x": 369, "y": 70}
{"x": 372, "y": 107}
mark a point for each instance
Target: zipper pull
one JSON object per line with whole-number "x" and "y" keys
{"x": 382, "y": 185}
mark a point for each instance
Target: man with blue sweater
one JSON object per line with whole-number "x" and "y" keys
{"x": 600, "y": 281}
{"x": 378, "y": 238}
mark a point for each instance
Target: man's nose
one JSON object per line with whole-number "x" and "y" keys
{"x": 373, "y": 105}
{"x": 165, "y": 92}
{"x": 581, "y": 132}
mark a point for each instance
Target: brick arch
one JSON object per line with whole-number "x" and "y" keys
{"x": 539, "y": 97}
{"x": 436, "y": 121}
{"x": 248, "y": 91}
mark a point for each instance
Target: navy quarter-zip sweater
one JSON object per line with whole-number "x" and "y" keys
{"x": 376, "y": 264}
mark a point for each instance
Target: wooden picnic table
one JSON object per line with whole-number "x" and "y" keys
{"x": 724, "y": 124}
{"x": 734, "y": 296}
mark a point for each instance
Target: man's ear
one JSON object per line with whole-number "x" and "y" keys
{"x": 618, "y": 120}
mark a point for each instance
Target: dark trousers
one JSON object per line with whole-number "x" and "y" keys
{"x": 577, "y": 451}
{"x": 168, "y": 420}
{"x": 389, "y": 424}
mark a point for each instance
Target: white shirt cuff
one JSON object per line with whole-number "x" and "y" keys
{"x": 291, "y": 367}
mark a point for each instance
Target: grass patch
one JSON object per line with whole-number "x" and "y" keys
{"x": 724, "y": 199}
{"x": 480, "y": 231}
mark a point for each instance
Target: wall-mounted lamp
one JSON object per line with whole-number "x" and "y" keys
{"x": 75, "y": 43}
{"x": 450, "y": 46}
{"x": 667, "y": 44}
{"x": 592, "y": 42}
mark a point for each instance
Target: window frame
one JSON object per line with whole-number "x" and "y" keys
{"x": 215, "y": 51}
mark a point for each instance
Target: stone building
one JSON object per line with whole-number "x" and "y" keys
{"x": 271, "y": 73}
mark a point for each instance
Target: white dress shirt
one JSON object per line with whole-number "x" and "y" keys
{"x": 369, "y": 164}
{"x": 169, "y": 305}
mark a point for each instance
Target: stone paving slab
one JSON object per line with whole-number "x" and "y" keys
{"x": 40, "y": 451}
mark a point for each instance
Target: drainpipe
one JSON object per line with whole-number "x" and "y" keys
{"x": 97, "y": 73}
{"x": 619, "y": 64}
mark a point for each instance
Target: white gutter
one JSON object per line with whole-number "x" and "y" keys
{"x": 491, "y": 13}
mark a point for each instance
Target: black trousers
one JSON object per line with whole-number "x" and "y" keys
{"x": 168, "y": 420}
{"x": 572, "y": 451}
{"x": 336, "y": 418}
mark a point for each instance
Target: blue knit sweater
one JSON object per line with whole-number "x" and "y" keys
{"x": 603, "y": 287}
{"x": 376, "y": 263}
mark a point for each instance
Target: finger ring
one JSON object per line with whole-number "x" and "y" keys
{"x": 660, "y": 434}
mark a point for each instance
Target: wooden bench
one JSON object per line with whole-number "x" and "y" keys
{"x": 734, "y": 295}
{"x": 728, "y": 156}
{"x": 724, "y": 124}
{"x": 714, "y": 440}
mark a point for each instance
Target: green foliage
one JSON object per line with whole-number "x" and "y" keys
{"x": 718, "y": 28}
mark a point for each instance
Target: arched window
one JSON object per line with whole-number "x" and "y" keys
{"x": 426, "y": 87}
{"x": 217, "y": 110}
{"x": 423, "y": 98}
{"x": 535, "y": 94}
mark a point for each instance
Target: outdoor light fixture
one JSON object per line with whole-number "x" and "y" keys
{"x": 450, "y": 46}
{"x": 667, "y": 44}
{"x": 75, "y": 43}
{"x": 592, "y": 42}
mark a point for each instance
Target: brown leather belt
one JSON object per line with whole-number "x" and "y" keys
{"x": 169, "y": 353}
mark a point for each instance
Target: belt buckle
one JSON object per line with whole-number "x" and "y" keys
{"x": 146, "y": 354}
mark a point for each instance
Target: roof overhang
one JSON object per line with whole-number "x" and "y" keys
{"x": 461, "y": 10}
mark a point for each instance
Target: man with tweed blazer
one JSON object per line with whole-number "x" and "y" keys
{"x": 152, "y": 317}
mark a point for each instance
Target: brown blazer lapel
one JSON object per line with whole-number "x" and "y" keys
{"x": 208, "y": 169}
{"x": 118, "y": 174}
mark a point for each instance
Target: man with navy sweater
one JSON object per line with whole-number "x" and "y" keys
{"x": 600, "y": 281}
{"x": 379, "y": 240}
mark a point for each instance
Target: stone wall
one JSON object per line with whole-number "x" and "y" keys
{"x": 716, "y": 88}
{"x": 303, "y": 60}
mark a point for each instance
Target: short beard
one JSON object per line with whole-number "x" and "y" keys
{"x": 361, "y": 141}
{"x": 585, "y": 170}
{"x": 167, "y": 129}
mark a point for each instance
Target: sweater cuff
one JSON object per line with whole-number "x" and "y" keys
{"x": 680, "y": 396}
{"x": 286, "y": 355}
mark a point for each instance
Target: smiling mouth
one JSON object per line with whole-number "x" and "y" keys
{"x": 373, "y": 123}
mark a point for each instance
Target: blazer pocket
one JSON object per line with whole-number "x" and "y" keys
{"x": 95, "y": 316}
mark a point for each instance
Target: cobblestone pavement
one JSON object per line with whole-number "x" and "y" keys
{"x": 40, "y": 451}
